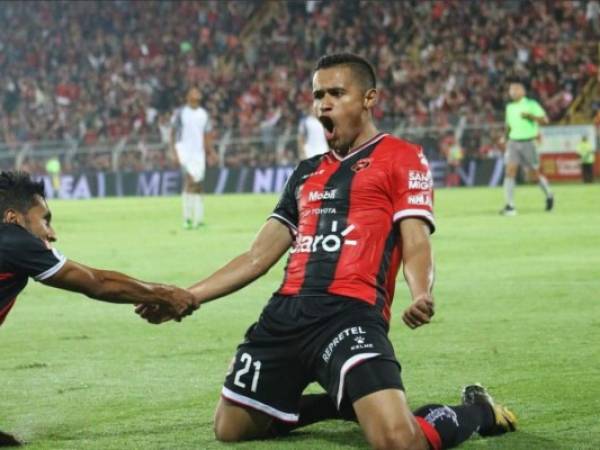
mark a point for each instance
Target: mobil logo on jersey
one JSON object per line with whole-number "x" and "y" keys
{"x": 316, "y": 196}
{"x": 330, "y": 242}
{"x": 419, "y": 180}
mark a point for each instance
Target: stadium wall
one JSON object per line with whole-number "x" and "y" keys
{"x": 240, "y": 180}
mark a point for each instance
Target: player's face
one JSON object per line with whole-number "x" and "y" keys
{"x": 516, "y": 91}
{"x": 38, "y": 221}
{"x": 342, "y": 105}
{"x": 193, "y": 97}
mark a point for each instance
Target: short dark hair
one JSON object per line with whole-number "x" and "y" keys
{"x": 18, "y": 191}
{"x": 361, "y": 67}
{"x": 518, "y": 80}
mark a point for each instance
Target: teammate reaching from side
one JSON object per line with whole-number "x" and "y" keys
{"x": 352, "y": 217}
{"x": 26, "y": 251}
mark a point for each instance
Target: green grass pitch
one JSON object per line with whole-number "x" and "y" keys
{"x": 518, "y": 309}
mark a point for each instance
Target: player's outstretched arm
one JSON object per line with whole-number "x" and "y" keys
{"x": 418, "y": 271}
{"x": 116, "y": 287}
{"x": 272, "y": 241}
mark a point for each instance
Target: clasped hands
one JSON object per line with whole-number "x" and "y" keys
{"x": 175, "y": 304}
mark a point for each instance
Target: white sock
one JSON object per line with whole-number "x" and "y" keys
{"x": 509, "y": 191}
{"x": 545, "y": 186}
{"x": 187, "y": 206}
{"x": 197, "y": 208}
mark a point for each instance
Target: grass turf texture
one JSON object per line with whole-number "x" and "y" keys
{"x": 518, "y": 309}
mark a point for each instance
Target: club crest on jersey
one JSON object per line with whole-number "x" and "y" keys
{"x": 361, "y": 164}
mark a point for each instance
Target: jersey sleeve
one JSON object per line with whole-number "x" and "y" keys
{"x": 412, "y": 187}
{"x": 537, "y": 110}
{"x": 286, "y": 210}
{"x": 28, "y": 255}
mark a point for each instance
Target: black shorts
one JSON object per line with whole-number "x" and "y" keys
{"x": 298, "y": 340}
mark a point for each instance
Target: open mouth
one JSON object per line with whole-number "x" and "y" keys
{"x": 329, "y": 126}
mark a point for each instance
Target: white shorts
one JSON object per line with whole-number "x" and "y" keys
{"x": 193, "y": 165}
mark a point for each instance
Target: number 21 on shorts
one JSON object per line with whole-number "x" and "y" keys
{"x": 247, "y": 365}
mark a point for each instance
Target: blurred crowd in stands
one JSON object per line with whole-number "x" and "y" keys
{"x": 99, "y": 72}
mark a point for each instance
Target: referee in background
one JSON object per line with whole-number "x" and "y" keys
{"x": 523, "y": 119}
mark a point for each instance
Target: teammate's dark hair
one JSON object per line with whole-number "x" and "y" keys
{"x": 361, "y": 67}
{"x": 18, "y": 191}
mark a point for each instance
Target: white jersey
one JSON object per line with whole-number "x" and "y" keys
{"x": 314, "y": 136}
{"x": 190, "y": 125}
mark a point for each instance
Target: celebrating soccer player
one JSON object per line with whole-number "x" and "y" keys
{"x": 352, "y": 217}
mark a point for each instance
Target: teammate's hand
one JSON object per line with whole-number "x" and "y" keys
{"x": 181, "y": 301}
{"x": 176, "y": 304}
{"x": 154, "y": 314}
{"x": 419, "y": 312}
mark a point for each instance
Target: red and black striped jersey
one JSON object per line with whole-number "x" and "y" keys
{"x": 22, "y": 255}
{"x": 343, "y": 214}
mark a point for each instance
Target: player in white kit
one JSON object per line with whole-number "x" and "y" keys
{"x": 190, "y": 143}
{"x": 311, "y": 137}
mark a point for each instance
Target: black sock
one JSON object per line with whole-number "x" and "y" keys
{"x": 456, "y": 424}
{"x": 313, "y": 408}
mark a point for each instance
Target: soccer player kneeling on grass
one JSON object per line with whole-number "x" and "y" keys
{"x": 351, "y": 217}
{"x": 26, "y": 250}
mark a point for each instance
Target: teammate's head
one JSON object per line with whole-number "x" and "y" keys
{"x": 344, "y": 92}
{"x": 516, "y": 90}
{"x": 193, "y": 96}
{"x": 23, "y": 202}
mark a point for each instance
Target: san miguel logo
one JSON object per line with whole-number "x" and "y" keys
{"x": 361, "y": 164}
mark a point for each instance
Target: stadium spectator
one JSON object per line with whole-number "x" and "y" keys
{"x": 588, "y": 157}
{"x": 84, "y": 72}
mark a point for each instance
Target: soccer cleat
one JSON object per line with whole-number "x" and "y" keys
{"x": 8, "y": 440}
{"x": 508, "y": 211}
{"x": 187, "y": 225}
{"x": 549, "y": 203}
{"x": 505, "y": 420}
